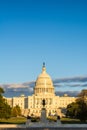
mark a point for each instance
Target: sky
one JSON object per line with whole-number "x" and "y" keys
{"x": 37, "y": 31}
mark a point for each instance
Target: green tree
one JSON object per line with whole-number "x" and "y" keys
{"x": 82, "y": 96}
{"x": 5, "y": 109}
{"x": 78, "y": 109}
{"x": 1, "y": 91}
{"x": 82, "y": 111}
{"x": 16, "y": 111}
{"x": 82, "y": 101}
{"x": 83, "y": 93}
{"x": 72, "y": 110}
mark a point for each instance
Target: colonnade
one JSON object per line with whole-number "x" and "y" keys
{"x": 44, "y": 90}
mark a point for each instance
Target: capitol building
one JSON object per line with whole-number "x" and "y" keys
{"x": 43, "y": 91}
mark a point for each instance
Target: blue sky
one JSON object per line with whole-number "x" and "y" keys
{"x": 33, "y": 32}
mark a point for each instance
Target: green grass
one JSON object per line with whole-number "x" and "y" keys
{"x": 13, "y": 120}
{"x": 52, "y": 118}
{"x": 71, "y": 121}
{"x": 22, "y": 120}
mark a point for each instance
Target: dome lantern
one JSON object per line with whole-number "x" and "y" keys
{"x": 43, "y": 68}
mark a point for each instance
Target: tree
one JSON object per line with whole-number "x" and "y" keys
{"x": 16, "y": 111}
{"x": 82, "y": 111}
{"x": 72, "y": 110}
{"x": 5, "y": 109}
{"x": 82, "y": 101}
{"x": 82, "y": 96}
{"x": 78, "y": 109}
{"x": 1, "y": 91}
{"x": 83, "y": 93}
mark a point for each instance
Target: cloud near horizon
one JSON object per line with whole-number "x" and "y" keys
{"x": 71, "y": 82}
{"x": 71, "y": 79}
{"x": 60, "y": 82}
{"x": 62, "y": 85}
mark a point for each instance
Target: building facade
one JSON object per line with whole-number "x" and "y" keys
{"x": 43, "y": 92}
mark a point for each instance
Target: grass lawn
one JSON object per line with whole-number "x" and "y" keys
{"x": 22, "y": 120}
{"x": 13, "y": 120}
{"x": 72, "y": 121}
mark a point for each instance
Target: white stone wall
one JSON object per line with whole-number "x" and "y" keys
{"x": 33, "y": 104}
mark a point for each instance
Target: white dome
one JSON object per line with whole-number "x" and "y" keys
{"x": 44, "y": 83}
